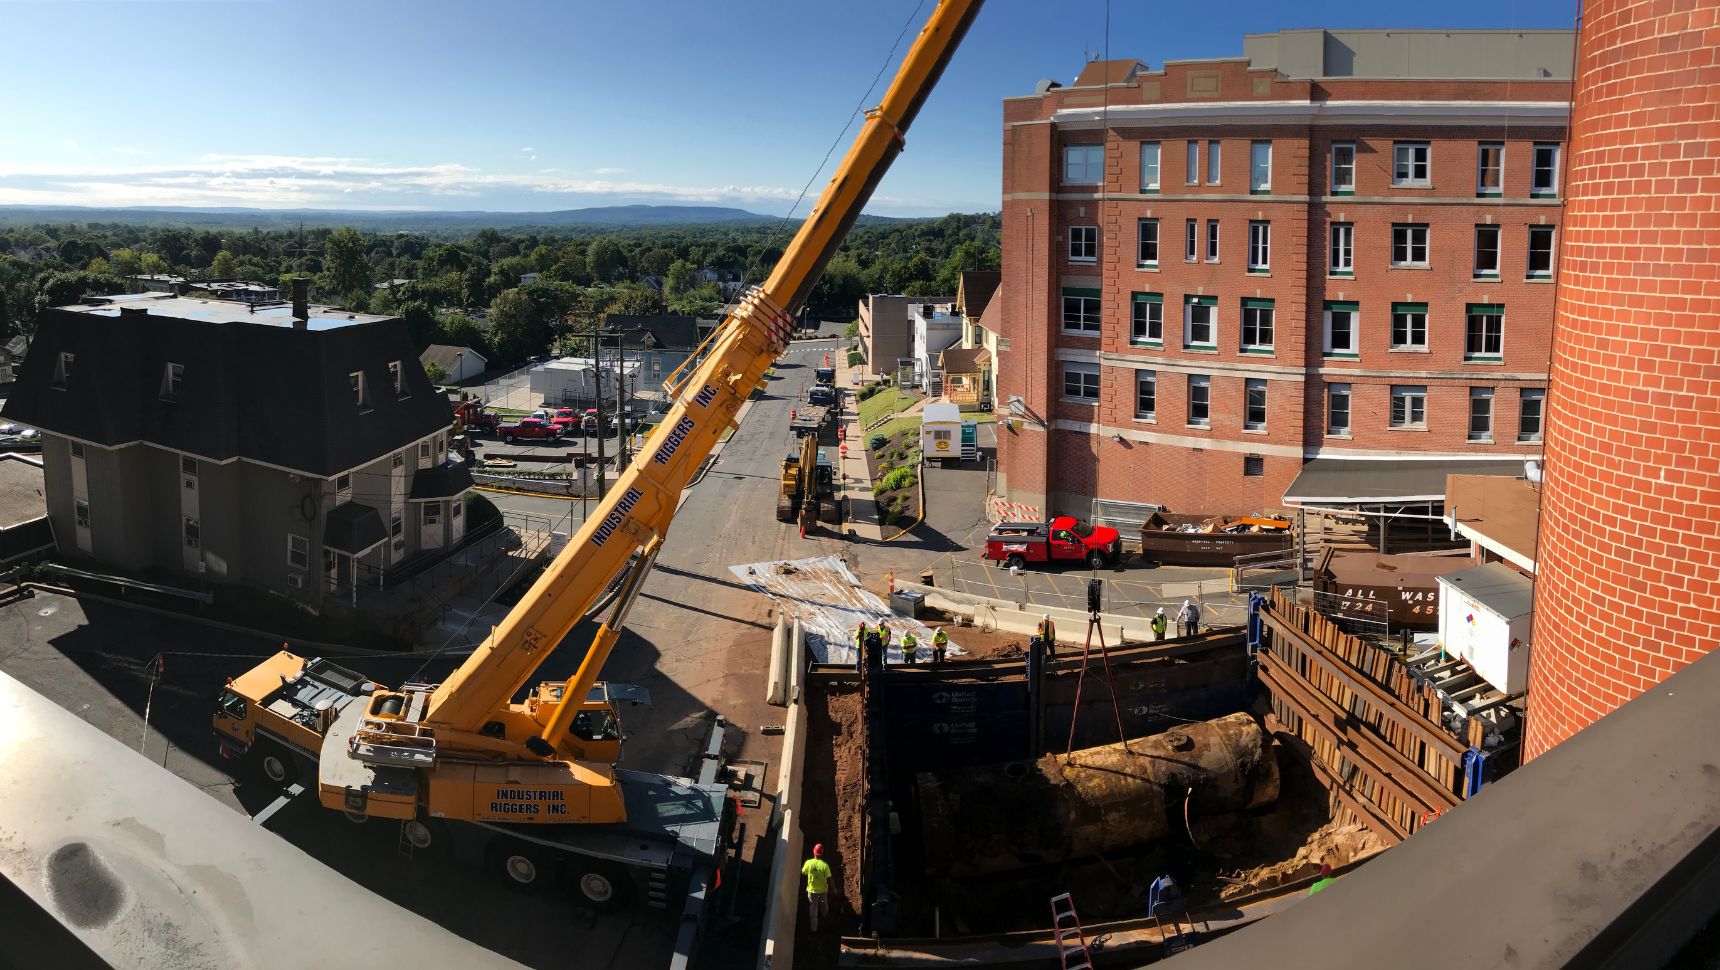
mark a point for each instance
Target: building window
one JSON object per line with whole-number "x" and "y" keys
{"x": 1192, "y": 164}
{"x": 298, "y": 552}
{"x": 1529, "y": 410}
{"x": 1190, "y": 232}
{"x": 1484, "y": 337}
{"x": 1212, "y": 166}
{"x": 1540, "y": 252}
{"x": 193, "y": 534}
{"x": 1200, "y": 321}
{"x": 397, "y": 461}
{"x": 1489, "y": 169}
{"x": 1409, "y": 406}
{"x": 1259, "y": 247}
{"x": 1199, "y": 401}
{"x": 1212, "y": 240}
{"x": 397, "y": 529}
{"x": 1147, "y": 248}
{"x": 1481, "y": 414}
{"x": 424, "y": 450}
{"x": 454, "y": 507}
{"x": 432, "y": 513}
{"x": 1338, "y": 409}
{"x": 1409, "y": 326}
{"x": 1344, "y": 168}
{"x": 1409, "y": 244}
{"x": 63, "y": 369}
{"x": 394, "y": 378}
{"x": 1486, "y": 252}
{"x": 1147, "y": 324}
{"x": 1083, "y": 244}
{"x": 1544, "y": 179}
{"x": 81, "y": 509}
{"x": 188, "y": 471}
{"x": 1254, "y": 404}
{"x": 343, "y": 488}
{"x": 1342, "y": 329}
{"x": 1081, "y": 381}
{"x": 78, "y": 450}
{"x": 1083, "y": 164}
{"x": 1257, "y": 325}
{"x": 358, "y": 395}
{"x": 1260, "y": 167}
{"x": 1149, "y": 166}
{"x": 1342, "y": 249}
{"x": 1146, "y": 395}
{"x": 171, "y": 375}
{"x": 1080, "y": 311}
{"x": 1410, "y": 165}
{"x": 1253, "y": 466}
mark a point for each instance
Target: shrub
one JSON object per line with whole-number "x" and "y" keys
{"x": 899, "y": 478}
{"x": 856, "y": 358}
{"x": 876, "y": 442}
{"x": 867, "y": 391}
{"x": 852, "y": 330}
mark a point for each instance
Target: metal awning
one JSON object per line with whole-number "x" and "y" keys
{"x": 1361, "y": 481}
{"x": 354, "y": 529}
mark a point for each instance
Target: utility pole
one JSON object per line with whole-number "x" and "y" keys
{"x": 597, "y": 395}
{"x": 620, "y": 400}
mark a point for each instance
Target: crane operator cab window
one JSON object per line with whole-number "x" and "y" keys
{"x": 232, "y": 705}
{"x": 596, "y": 726}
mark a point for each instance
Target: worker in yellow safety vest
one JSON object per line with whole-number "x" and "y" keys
{"x": 910, "y": 648}
{"x": 940, "y": 643}
{"x": 1047, "y": 634}
{"x": 1160, "y": 624}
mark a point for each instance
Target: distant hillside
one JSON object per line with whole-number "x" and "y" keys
{"x": 612, "y": 216}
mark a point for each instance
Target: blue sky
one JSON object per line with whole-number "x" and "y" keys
{"x": 502, "y": 105}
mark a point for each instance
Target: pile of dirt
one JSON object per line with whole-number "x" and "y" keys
{"x": 832, "y": 808}
{"x": 1334, "y": 844}
{"x": 899, "y": 457}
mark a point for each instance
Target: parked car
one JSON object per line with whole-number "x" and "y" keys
{"x": 1063, "y": 539}
{"x": 528, "y": 428}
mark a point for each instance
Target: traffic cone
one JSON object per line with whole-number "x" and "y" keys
{"x": 890, "y": 578}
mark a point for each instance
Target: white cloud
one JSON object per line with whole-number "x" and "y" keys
{"x": 127, "y": 150}
{"x": 608, "y": 171}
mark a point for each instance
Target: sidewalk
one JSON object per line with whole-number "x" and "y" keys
{"x": 855, "y": 477}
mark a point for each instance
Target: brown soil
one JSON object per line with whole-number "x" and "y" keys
{"x": 832, "y": 796}
{"x": 910, "y": 496}
{"x": 1333, "y": 843}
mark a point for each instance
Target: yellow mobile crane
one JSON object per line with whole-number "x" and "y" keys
{"x": 536, "y": 781}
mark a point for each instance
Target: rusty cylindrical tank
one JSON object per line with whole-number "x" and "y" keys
{"x": 994, "y": 818}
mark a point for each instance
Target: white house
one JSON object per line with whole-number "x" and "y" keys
{"x": 933, "y": 328}
{"x": 459, "y": 363}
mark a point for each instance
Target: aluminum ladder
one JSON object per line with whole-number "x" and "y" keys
{"x": 1071, "y": 941}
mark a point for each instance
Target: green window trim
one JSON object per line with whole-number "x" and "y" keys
{"x": 1490, "y": 195}
{"x": 1543, "y": 195}
{"x": 1149, "y": 298}
{"x": 1082, "y": 291}
{"x": 1257, "y": 351}
{"x": 1265, "y": 191}
{"x": 1409, "y": 308}
{"x": 1191, "y": 300}
{"x": 1343, "y": 191}
{"x": 1339, "y": 306}
{"x": 1483, "y": 359}
{"x": 1489, "y": 277}
{"x": 1341, "y": 274}
{"x": 1257, "y": 303}
{"x": 1486, "y": 309}
{"x": 1342, "y": 355}
{"x": 1144, "y": 342}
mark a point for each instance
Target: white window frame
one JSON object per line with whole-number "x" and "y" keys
{"x": 191, "y": 532}
{"x": 1410, "y": 331}
{"x": 1191, "y": 240}
{"x": 1498, "y": 233}
{"x": 360, "y": 397}
{"x": 1212, "y": 240}
{"x": 1341, "y": 242}
{"x": 430, "y": 513}
{"x": 1250, "y": 387}
{"x": 77, "y": 450}
{"x": 1250, "y": 326}
{"x": 1146, "y": 389}
{"x": 1260, "y": 167}
{"x": 1551, "y": 190}
{"x": 1482, "y": 169}
{"x": 1335, "y": 393}
{"x": 81, "y": 513}
{"x": 1414, "y": 403}
{"x": 1147, "y": 238}
{"x": 172, "y": 375}
{"x": 63, "y": 368}
{"x": 1342, "y": 183}
{"x": 1355, "y": 346}
{"x": 1259, "y": 246}
{"x": 1083, "y": 244}
{"x": 1404, "y": 237}
{"x": 1189, "y": 305}
{"x": 1470, "y": 314}
{"x": 1147, "y": 313}
{"x": 424, "y": 450}
{"x": 1199, "y": 389}
{"x": 343, "y": 488}
{"x": 1405, "y": 162}
{"x": 1192, "y": 164}
{"x": 1089, "y": 314}
{"x": 1539, "y": 396}
{"x": 394, "y": 376}
{"x": 1477, "y": 395}
{"x": 1088, "y": 373}
{"x": 1529, "y": 271}
{"x": 1083, "y": 164}
{"x": 1214, "y": 162}
{"x": 300, "y": 547}
{"x": 1150, "y": 149}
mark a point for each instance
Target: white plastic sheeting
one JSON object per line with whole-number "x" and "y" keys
{"x": 829, "y": 603}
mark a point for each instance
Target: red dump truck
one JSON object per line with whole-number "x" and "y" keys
{"x": 1063, "y": 539}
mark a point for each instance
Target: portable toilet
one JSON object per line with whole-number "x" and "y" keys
{"x": 941, "y": 431}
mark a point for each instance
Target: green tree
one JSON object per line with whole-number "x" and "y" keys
{"x": 346, "y": 270}
{"x": 653, "y": 262}
{"x": 637, "y": 300}
{"x": 677, "y": 280}
{"x": 151, "y": 264}
{"x": 604, "y": 260}
{"x": 124, "y": 262}
{"x": 421, "y": 324}
{"x": 517, "y": 329}
{"x": 223, "y": 266}
{"x": 436, "y": 372}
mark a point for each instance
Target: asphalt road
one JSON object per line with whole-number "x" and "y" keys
{"x": 696, "y": 639}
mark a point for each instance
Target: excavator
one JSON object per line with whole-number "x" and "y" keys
{"x": 535, "y": 783}
{"x": 808, "y": 492}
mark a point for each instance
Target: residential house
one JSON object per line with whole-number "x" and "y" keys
{"x": 934, "y": 327}
{"x": 660, "y": 343}
{"x": 157, "y": 283}
{"x": 292, "y": 448}
{"x": 461, "y": 364}
{"x": 12, "y": 357}
{"x": 1339, "y": 246}
{"x": 968, "y": 366}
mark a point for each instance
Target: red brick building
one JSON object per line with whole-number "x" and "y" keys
{"x": 1339, "y": 246}
{"x": 1629, "y": 587}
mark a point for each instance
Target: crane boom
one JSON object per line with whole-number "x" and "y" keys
{"x": 641, "y": 505}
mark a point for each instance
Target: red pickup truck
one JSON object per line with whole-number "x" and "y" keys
{"x": 528, "y": 428}
{"x": 1063, "y": 539}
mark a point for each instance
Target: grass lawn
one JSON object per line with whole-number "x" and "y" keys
{"x": 896, "y": 427}
{"x": 890, "y": 400}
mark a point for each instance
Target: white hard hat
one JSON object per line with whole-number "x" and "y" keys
{"x": 1045, "y": 616}
{"x": 1185, "y": 602}
{"x": 1161, "y": 610}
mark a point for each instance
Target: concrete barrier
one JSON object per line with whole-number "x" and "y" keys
{"x": 776, "y": 685}
{"x": 782, "y": 910}
{"x": 797, "y": 661}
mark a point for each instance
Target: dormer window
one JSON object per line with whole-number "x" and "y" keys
{"x": 63, "y": 369}
{"x": 358, "y": 395}
{"x": 394, "y": 376}
{"x": 171, "y": 375}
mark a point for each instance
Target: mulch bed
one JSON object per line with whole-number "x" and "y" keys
{"x": 905, "y": 501}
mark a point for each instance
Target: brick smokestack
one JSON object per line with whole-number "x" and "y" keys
{"x": 1628, "y": 589}
{"x": 301, "y": 302}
